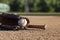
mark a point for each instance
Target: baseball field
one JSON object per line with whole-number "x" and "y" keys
{"x": 52, "y": 31}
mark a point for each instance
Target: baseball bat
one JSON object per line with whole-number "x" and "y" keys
{"x": 37, "y": 26}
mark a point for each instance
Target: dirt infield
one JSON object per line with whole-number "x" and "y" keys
{"x": 52, "y": 31}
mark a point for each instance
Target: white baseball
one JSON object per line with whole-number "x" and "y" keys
{"x": 22, "y": 22}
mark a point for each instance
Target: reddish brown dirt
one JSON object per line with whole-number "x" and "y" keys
{"x": 52, "y": 31}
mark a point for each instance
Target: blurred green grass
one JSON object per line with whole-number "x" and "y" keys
{"x": 35, "y": 13}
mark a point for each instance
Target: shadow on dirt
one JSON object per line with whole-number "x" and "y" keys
{"x": 29, "y": 29}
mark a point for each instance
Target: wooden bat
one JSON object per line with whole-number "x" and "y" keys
{"x": 37, "y": 26}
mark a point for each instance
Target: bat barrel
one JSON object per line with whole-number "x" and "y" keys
{"x": 37, "y": 26}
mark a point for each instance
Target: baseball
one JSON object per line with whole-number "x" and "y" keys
{"x": 22, "y": 22}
